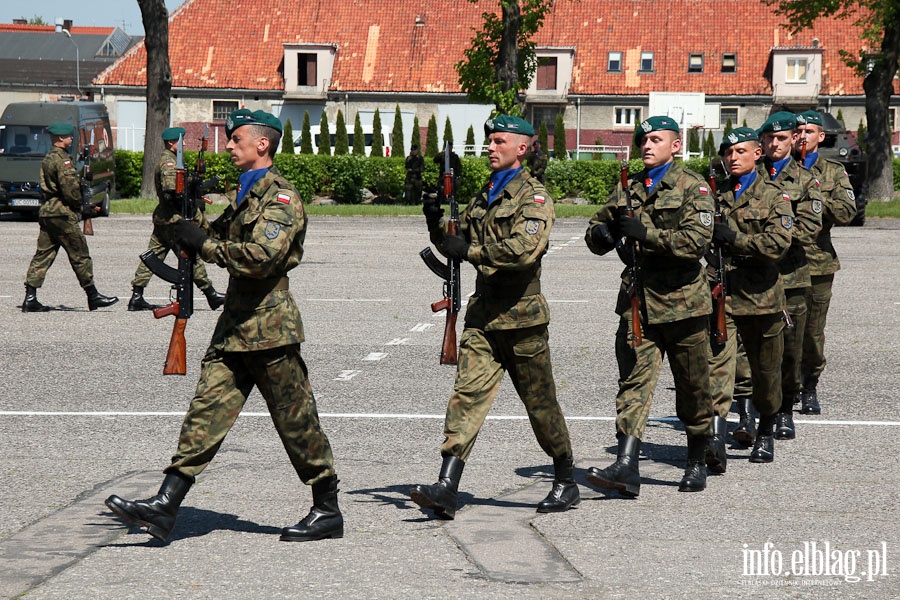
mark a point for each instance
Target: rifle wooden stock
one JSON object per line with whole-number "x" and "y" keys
{"x": 87, "y": 227}
{"x": 173, "y": 308}
{"x": 636, "y": 336}
{"x": 719, "y": 291}
{"x": 176, "y": 356}
{"x": 720, "y": 333}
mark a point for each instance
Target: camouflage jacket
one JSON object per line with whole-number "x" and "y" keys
{"x": 537, "y": 164}
{"x": 763, "y": 222}
{"x": 839, "y": 204}
{"x": 61, "y": 185}
{"x": 678, "y": 215}
{"x": 802, "y": 189}
{"x": 258, "y": 242}
{"x": 508, "y": 240}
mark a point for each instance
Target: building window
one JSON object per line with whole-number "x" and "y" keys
{"x": 545, "y": 115}
{"x": 614, "y": 62}
{"x": 306, "y": 70}
{"x": 892, "y": 118}
{"x": 646, "y": 61}
{"x": 107, "y": 49}
{"x": 546, "y": 73}
{"x": 223, "y": 108}
{"x": 695, "y": 63}
{"x": 627, "y": 117}
{"x": 729, "y": 62}
{"x": 796, "y": 70}
{"x": 726, "y": 115}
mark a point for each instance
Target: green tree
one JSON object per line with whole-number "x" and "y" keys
{"x": 287, "y": 138}
{"x": 448, "y": 134}
{"x": 36, "y": 20}
{"x": 397, "y": 134}
{"x": 416, "y": 137}
{"x": 377, "y": 137}
{"x": 861, "y": 132}
{"x": 341, "y": 142}
{"x": 840, "y": 117}
{"x": 543, "y": 135}
{"x": 431, "y": 138}
{"x": 693, "y": 140}
{"x": 728, "y": 127}
{"x": 710, "y": 147}
{"x": 878, "y": 24}
{"x": 559, "y": 138}
{"x": 305, "y": 135}
{"x": 470, "y": 142}
{"x": 359, "y": 139}
{"x": 324, "y": 136}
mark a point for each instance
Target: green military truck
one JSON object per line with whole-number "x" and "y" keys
{"x": 24, "y": 142}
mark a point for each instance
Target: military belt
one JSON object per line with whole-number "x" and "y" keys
{"x": 513, "y": 290}
{"x": 255, "y": 286}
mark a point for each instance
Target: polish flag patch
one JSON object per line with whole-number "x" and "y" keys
{"x": 284, "y": 198}
{"x": 67, "y": 163}
{"x": 539, "y": 199}
{"x": 785, "y": 197}
{"x": 704, "y": 190}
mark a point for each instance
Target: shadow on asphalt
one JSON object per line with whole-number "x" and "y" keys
{"x": 196, "y": 522}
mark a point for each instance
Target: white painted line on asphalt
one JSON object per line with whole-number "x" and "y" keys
{"x": 348, "y": 300}
{"x": 375, "y": 355}
{"x": 397, "y": 342}
{"x": 347, "y": 375}
{"x": 420, "y": 327}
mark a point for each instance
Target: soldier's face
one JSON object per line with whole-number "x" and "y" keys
{"x": 505, "y": 150}
{"x": 778, "y": 144}
{"x": 813, "y": 134}
{"x": 246, "y": 148}
{"x": 659, "y": 148}
{"x": 65, "y": 141}
{"x": 741, "y": 158}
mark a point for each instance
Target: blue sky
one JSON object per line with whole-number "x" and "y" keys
{"x": 101, "y": 13}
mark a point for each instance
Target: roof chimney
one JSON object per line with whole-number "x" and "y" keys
{"x": 67, "y": 25}
{"x": 20, "y": 22}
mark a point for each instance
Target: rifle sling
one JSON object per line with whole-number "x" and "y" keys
{"x": 507, "y": 291}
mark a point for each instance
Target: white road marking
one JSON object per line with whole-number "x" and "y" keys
{"x": 375, "y": 355}
{"x": 347, "y": 375}
{"x": 348, "y": 300}
{"x": 420, "y": 327}
{"x": 397, "y": 342}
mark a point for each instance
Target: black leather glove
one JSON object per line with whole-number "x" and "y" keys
{"x": 456, "y": 247}
{"x": 723, "y": 234}
{"x": 188, "y": 236}
{"x": 89, "y": 210}
{"x": 632, "y": 227}
{"x": 602, "y": 238}
{"x": 433, "y": 213}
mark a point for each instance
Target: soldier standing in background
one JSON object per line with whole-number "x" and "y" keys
{"x": 455, "y": 166}
{"x": 58, "y": 219}
{"x": 839, "y": 208}
{"x": 258, "y": 239}
{"x": 504, "y": 232}
{"x": 166, "y": 213}
{"x": 672, "y": 223}
{"x": 537, "y": 161}
{"x": 777, "y": 136}
{"x": 412, "y": 187}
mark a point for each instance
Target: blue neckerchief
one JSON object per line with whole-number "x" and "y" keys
{"x": 778, "y": 166}
{"x": 499, "y": 180}
{"x": 811, "y": 159}
{"x": 655, "y": 174}
{"x": 744, "y": 182}
{"x": 246, "y": 181}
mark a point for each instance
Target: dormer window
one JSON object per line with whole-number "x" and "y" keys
{"x": 307, "y": 69}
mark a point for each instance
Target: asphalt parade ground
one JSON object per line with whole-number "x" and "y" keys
{"x": 86, "y": 412}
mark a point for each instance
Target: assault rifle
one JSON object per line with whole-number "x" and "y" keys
{"x": 448, "y": 272}
{"x": 634, "y": 294}
{"x": 88, "y": 208}
{"x": 720, "y": 289}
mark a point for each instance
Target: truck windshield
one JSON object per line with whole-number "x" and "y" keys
{"x": 24, "y": 140}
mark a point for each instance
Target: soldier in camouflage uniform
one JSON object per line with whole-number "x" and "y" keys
{"x": 58, "y": 218}
{"x": 839, "y": 208}
{"x": 777, "y": 137}
{"x": 537, "y": 161}
{"x": 672, "y": 227}
{"x": 166, "y": 213}
{"x": 755, "y": 234}
{"x": 258, "y": 239}
{"x": 504, "y": 232}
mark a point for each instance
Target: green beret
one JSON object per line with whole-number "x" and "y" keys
{"x": 655, "y": 124}
{"x": 810, "y": 117}
{"x": 172, "y": 133}
{"x": 244, "y": 116}
{"x": 780, "y": 121}
{"x": 61, "y": 128}
{"x": 737, "y": 136}
{"x": 508, "y": 123}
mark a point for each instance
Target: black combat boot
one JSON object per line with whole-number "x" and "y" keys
{"x": 764, "y": 447}
{"x": 564, "y": 494}
{"x": 155, "y": 515}
{"x": 214, "y": 298}
{"x": 746, "y": 429}
{"x": 31, "y": 304}
{"x": 694, "y": 479}
{"x": 441, "y": 496}
{"x": 324, "y": 519}
{"x": 137, "y": 301}
{"x": 623, "y": 475}
{"x": 716, "y": 456}
{"x": 97, "y": 300}
{"x": 784, "y": 420}
{"x": 809, "y": 401}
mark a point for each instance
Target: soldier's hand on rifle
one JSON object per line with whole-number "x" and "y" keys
{"x": 188, "y": 236}
{"x": 632, "y": 227}
{"x": 89, "y": 210}
{"x": 723, "y": 234}
{"x": 602, "y": 238}
{"x": 456, "y": 247}
{"x": 433, "y": 213}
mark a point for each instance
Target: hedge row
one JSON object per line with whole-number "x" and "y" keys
{"x": 344, "y": 177}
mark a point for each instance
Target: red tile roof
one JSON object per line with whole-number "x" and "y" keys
{"x": 380, "y": 47}
{"x": 14, "y": 27}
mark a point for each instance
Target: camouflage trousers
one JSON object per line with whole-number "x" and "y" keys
{"x": 764, "y": 345}
{"x": 226, "y": 379}
{"x": 818, "y": 301}
{"x": 142, "y": 275}
{"x": 483, "y": 357}
{"x": 793, "y": 343}
{"x": 64, "y": 232}
{"x": 686, "y": 343}
{"x": 729, "y": 370}
{"x": 412, "y": 191}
